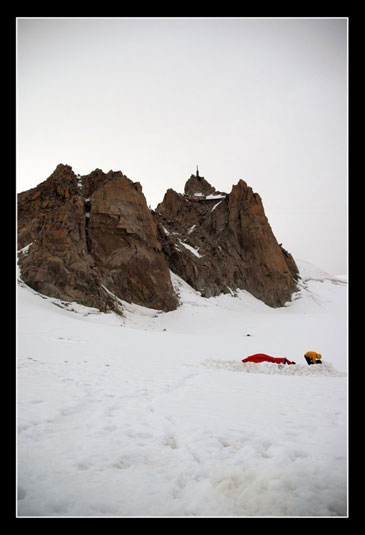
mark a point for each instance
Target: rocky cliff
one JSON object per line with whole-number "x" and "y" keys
{"x": 218, "y": 242}
{"x": 92, "y": 239}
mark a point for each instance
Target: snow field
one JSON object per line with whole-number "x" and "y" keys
{"x": 146, "y": 415}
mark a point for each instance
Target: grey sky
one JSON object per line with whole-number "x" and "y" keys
{"x": 264, "y": 100}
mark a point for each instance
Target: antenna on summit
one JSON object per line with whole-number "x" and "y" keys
{"x": 197, "y": 170}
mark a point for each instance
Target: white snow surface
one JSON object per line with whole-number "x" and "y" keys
{"x": 191, "y": 249}
{"x": 154, "y": 414}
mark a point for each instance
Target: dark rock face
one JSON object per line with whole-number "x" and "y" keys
{"x": 122, "y": 238}
{"x": 93, "y": 240}
{"x": 219, "y": 242}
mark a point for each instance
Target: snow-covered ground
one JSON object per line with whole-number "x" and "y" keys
{"x": 154, "y": 414}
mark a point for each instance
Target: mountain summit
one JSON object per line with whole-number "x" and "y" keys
{"x": 219, "y": 242}
{"x": 92, "y": 239}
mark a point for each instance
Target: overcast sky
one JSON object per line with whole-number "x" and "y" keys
{"x": 264, "y": 100}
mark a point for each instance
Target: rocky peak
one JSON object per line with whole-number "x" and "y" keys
{"x": 62, "y": 173}
{"x": 197, "y": 185}
{"x": 97, "y": 179}
{"x": 220, "y": 242}
{"x": 62, "y": 183}
{"x": 93, "y": 240}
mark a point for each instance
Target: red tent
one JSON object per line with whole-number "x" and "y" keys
{"x": 261, "y": 357}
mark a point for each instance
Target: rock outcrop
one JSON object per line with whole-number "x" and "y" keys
{"x": 92, "y": 239}
{"x": 220, "y": 242}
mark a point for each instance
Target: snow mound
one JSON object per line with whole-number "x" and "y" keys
{"x": 325, "y": 369}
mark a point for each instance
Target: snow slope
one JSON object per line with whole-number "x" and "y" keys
{"x": 154, "y": 414}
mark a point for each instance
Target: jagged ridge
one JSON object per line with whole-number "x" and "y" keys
{"x": 93, "y": 240}
{"x": 218, "y": 242}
